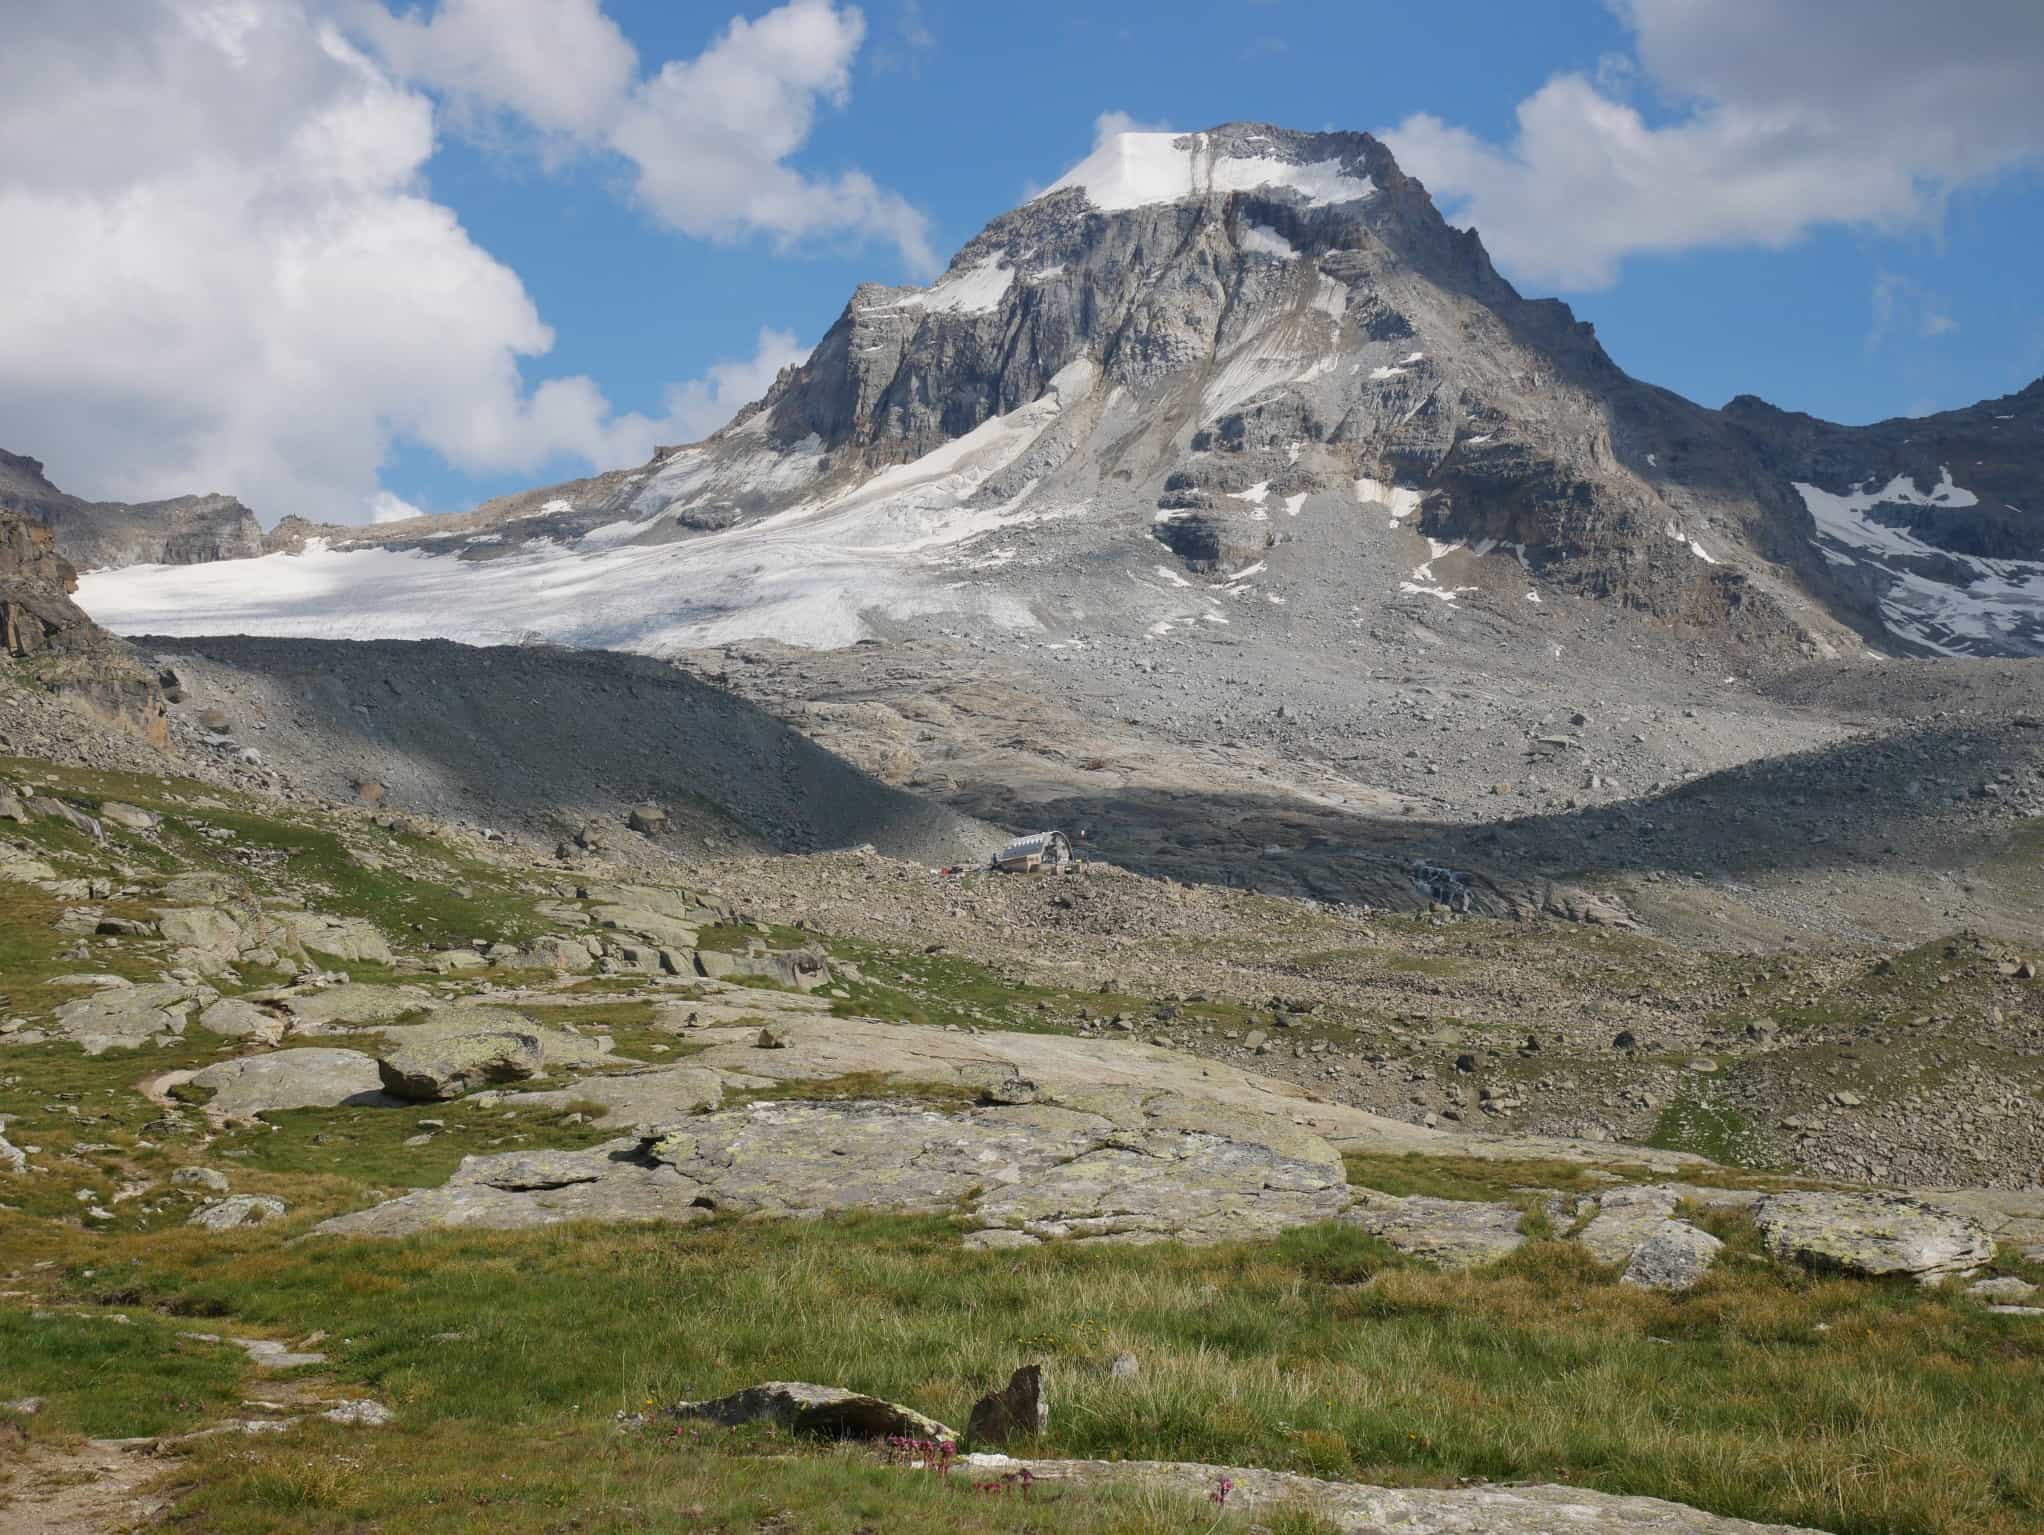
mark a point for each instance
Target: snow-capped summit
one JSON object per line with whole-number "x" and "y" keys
{"x": 1131, "y": 170}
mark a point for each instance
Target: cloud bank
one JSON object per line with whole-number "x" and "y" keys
{"x": 1771, "y": 121}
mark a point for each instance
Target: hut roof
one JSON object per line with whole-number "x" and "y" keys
{"x": 1022, "y": 847}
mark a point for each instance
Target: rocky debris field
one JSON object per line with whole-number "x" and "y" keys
{"x": 504, "y": 739}
{"x": 1630, "y": 777}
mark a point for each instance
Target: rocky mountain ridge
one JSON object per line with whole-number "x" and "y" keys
{"x": 108, "y": 535}
{"x": 57, "y": 646}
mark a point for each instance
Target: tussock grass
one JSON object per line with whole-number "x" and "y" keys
{"x": 1767, "y": 1394}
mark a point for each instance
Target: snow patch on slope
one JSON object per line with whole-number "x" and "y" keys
{"x": 1403, "y": 503}
{"x": 1971, "y": 605}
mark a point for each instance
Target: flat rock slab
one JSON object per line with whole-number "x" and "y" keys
{"x": 1046, "y": 1172}
{"x": 1455, "y": 1233}
{"x": 1032, "y": 1171}
{"x": 1181, "y": 1186}
{"x": 524, "y": 1189}
{"x": 831, "y": 1412}
{"x": 232, "y": 1018}
{"x": 336, "y": 1007}
{"x": 560, "y": 1048}
{"x": 658, "y": 1095}
{"x": 1351, "y": 1507}
{"x": 811, "y": 1158}
{"x": 129, "y": 1015}
{"x": 436, "y": 1069}
{"x": 1871, "y": 1234}
{"x": 1115, "y": 1077}
{"x": 292, "y": 1079}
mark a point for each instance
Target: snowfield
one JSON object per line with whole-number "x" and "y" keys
{"x": 810, "y": 575}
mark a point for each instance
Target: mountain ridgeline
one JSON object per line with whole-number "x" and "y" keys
{"x": 1206, "y": 347}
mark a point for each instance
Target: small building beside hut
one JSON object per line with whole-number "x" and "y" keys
{"x": 1043, "y": 852}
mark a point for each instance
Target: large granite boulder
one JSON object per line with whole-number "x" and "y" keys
{"x": 346, "y": 1007}
{"x": 1674, "y": 1255}
{"x": 233, "y": 1018}
{"x": 1456, "y": 1233}
{"x": 434, "y": 1070}
{"x": 1872, "y": 1234}
{"x": 290, "y": 1079}
{"x": 342, "y": 938}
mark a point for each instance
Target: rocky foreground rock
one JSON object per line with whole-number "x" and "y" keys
{"x": 1350, "y": 1507}
{"x": 1872, "y": 1234}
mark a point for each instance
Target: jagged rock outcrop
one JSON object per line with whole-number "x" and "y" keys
{"x": 59, "y": 646}
{"x": 106, "y": 535}
{"x": 37, "y": 615}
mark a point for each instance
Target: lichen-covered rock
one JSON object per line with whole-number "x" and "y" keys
{"x": 1456, "y": 1233}
{"x": 809, "y": 1158}
{"x": 799, "y": 969}
{"x": 290, "y": 1079}
{"x": 434, "y": 1070}
{"x": 555, "y": 952}
{"x": 1362, "y": 1510}
{"x": 343, "y": 938}
{"x": 1035, "y": 1172}
{"x": 1871, "y": 1234}
{"x": 1674, "y": 1255}
{"x": 233, "y": 1018}
{"x": 236, "y": 1211}
{"x": 830, "y": 1412}
{"x": 611, "y": 1182}
{"x": 658, "y": 1095}
{"x": 1167, "y": 1184}
{"x": 208, "y": 929}
{"x": 656, "y": 927}
{"x": 130, "y": 1015}
{"x": 344, "y": 1006}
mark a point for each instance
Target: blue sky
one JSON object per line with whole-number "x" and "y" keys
{"x": 1836, "y": 206}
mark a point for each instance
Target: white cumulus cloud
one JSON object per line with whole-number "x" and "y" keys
{"x": 1775, "y": 119}
{"x": 224, "y": 272}
{"x": 708, "y": 138}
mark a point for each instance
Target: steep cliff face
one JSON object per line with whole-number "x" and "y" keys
{"x": 51, "y": 641}
{"x": 107, "y": 535}
{"x": 37, "y": 614}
